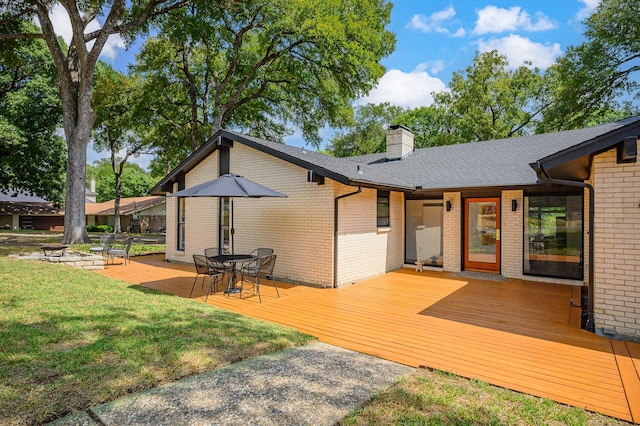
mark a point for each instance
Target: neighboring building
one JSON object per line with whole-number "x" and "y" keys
{"x": 481, "y": 206}
{"x": 20, "y": 210}
{"x": 137, "y": 214}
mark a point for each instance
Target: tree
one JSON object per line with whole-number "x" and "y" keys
{"x": 135, "y": 181}
{"x": 119, "y": 126}
{"x": 590, "y": 79}
{"x": 485, "y": 101}
{"x": 32, "y": 155}
{"x": 367, "y": 133}
{"x": 489, "y": 101}
{"x": 75, "y": 66}
{"x": 260, "y": 65}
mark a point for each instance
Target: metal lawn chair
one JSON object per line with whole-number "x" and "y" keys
{"x": 106, "y": 242}
{"x": 252, "y": 267}
{"x": 264, "y": 270}
{"x": 211, "y": 252}
{"x": 120, "y": 251}
{"x": 204, "y": 267}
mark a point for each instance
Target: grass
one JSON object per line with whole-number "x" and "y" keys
{"x": 70, "y": 339}
{"x": 429, "y": 397}
{"x": 27, "y": 241}
{"x": 137, "y": 249}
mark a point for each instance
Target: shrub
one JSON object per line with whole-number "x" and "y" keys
{"x": 100, "y": 228}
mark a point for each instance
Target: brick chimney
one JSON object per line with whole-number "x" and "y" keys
{"x": 399, "y": 142}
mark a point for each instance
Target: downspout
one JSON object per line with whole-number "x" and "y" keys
{"x": 590, "y": 326}
{"x": 335, "y": 233}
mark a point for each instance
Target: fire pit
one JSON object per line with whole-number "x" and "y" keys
{"x": 54, "y": 250}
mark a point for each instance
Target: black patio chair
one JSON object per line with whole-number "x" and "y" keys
{"x": 265, "y": 270}
{"x": 120, "y": 251}
{"x": 205, "y": 268}
{"x": 252, "y": 266}
{"x": 216, "y": 251}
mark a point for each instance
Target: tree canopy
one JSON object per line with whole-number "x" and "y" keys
{"x": 258, "y": 66}
{"x": 32, "y": 155}
{"x": 136, "y": 182}
{"x": 487, "y": 100}
{"x": 75, "y": 66}
{"x": 590, "y": 81}
{"x": 490, "y": 101}
{"x": 120, "y": 125}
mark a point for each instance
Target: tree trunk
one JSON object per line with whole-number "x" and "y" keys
{"x": 75, "y": 230}
{"x": 117, "y": 228}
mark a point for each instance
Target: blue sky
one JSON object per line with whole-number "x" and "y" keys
{"x": 434, "y": 38}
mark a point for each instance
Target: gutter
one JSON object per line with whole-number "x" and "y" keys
{"x": 590, "y": 326}
{"x": 335, "y": 233}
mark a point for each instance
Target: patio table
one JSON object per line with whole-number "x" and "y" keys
{"x": 232, "y": 260}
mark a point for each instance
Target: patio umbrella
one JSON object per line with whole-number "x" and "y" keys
{"x": 229, "y": 185}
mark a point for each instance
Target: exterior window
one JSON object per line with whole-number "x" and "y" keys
{"x": 383, "y": 209}
{"x": 181, "y": 221}
{"x": 553, "y": 239}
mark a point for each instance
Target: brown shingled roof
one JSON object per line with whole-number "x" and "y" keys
{"x": 127, "y": 205}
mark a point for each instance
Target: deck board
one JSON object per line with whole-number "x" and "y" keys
{"x": 520, "y": 335}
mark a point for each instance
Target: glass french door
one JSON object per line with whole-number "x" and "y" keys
{"x": 482, "y": 234}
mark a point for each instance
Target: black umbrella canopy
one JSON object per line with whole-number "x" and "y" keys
{"x": 229, "y": 185}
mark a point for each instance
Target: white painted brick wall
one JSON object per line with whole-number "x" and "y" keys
{"x": 299, "y": 228}
{"x": 511, "y": 249}
{"x": 452, "y": 233}
{"x": 365, "y": 250}
{"x": 617, "y": 244}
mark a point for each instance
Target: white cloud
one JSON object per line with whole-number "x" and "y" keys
{"x": 492, "y": 19}
{"x": 408, "y": 90}
{"x": 587, "y": 10}
{"x": 434, "y": 67}
{"x": 436, "y": 23}
{"x": 62, "y": 26}
{"x": 519, "y": 49}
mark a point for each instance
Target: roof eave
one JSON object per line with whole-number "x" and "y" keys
{"x": 574, "y": 163}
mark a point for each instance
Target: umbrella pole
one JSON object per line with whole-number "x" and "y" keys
{"x": 233, "y": 231}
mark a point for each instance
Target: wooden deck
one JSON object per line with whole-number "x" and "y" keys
{"x": 520, "y": 335}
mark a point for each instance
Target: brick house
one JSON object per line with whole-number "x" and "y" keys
{"x": 137, "y": 214}
{"x": 21, "y": 210}
{"x": 516, "y": 208}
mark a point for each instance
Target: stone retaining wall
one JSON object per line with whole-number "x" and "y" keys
{"x": 74, "y": 259}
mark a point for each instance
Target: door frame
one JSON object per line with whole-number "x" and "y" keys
{"x": 468, "y": 265}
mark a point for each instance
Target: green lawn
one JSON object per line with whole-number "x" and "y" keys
{"x": 70, "y": 339}
{"x": 436, "y": 398}
{"x": 28, "y": 241}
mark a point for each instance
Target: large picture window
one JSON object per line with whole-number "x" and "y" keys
{"x": 382, "y": 209}
{"x": 553, "y": 236}
{"x": 181, "y": 222}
